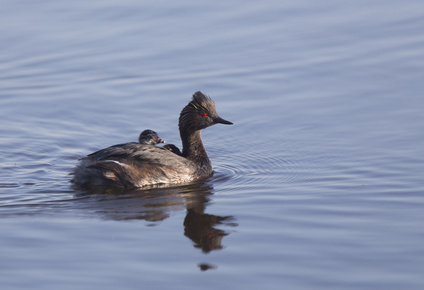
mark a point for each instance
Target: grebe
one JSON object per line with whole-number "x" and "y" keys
{"x": 138, "y": 165}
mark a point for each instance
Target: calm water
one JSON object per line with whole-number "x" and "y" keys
{"x": 318, "y": 184}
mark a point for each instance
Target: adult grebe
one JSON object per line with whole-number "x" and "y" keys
{"x": 138, "y": 165}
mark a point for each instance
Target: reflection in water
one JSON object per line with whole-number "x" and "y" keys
{"x": 199, "y": 227}
{"x": 205, "y": 267}
{"x": 155, "y": 205}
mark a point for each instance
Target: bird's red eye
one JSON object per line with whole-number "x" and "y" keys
{"x": 205, "y": 114}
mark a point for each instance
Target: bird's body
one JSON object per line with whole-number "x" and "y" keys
{"x": 139, "y": 165}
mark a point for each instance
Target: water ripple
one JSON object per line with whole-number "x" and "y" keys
{"x": 270, "y": 168}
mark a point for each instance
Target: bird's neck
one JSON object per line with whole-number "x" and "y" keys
{"x": 193, "y": 148}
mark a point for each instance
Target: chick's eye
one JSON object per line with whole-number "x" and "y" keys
{"x": 205, "y": 114}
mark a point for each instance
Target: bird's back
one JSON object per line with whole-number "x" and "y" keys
{"x": 136, "y": 165}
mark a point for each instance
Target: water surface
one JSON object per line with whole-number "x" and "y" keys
{"x": 317, "y": 185}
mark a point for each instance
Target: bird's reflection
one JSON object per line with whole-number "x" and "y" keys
{"x": 156, "y": 204}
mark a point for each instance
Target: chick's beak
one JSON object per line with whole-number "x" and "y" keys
{"x": 159, "y": 140}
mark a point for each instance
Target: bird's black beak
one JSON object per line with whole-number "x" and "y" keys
{"x": 221, "y": 121}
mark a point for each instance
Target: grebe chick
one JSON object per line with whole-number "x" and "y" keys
{"x": 138, "y": 165}
{"x": 149, "y": 137}
{"x": 172, "y": 148}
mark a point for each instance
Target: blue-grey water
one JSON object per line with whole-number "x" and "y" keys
{"x": 318, "y": 184}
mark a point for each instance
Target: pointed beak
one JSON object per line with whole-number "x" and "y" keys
{"x": 159, "y": 140}
{"x": 221, "y": 121}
